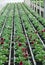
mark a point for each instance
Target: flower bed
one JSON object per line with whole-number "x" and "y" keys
{"x": 35, "y": 42}
{"x": 38, "y": 26}
{"x": 5, "y": 41}
{"x": 21, "y": 52}
{"x": 21, "y": 48}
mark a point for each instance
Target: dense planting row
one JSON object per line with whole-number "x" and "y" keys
{"x": 38, "y": 24}
{"x": 34, "y": 40}
{"x": 5, "y": 35}
{"x": 38, "y": 17}
{"x": 21, "y": 52}
{"x": 22, "y": 36}
{"x": 39, "y": 2}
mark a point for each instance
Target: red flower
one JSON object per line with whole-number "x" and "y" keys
{"x": 32, "y": 42}
{"x": 21, "y": 63}
{"x": 2, "y": 42}
{"x": 19, "y": 44}
{"x": 2, "y": 38}
{"x": 24, "y": 49}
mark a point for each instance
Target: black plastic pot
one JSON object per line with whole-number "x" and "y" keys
{"x": 39, "y": 62}
{"x": 8, "y": 48}
{"x": 12, "y": 63}
{"x": 16, "y": 63}
{"x": 7, "y": 55}
{"x": 16, "y": 55}
{"x": 6, "y": 63}
{"x": 33, "y": 48}
{"x": 26, "y": 28}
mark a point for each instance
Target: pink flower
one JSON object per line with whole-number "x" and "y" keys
{"x": 25, "y": 55}
{"x": 43, "y": 30}
{"x": 2, "y": 38}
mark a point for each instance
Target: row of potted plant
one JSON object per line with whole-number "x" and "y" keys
{"x": 8, "y": 8}
{"x": 1, "y": 21}
{"x": 5, "y": 40}
{"x": 40, "y": 29}
{"x": 41, "y": 19}
{"x": 21, "y": 52}
{"x": 3, "y": 9}
{"x": 35, "y": 42}
{"x": 2, "y": 17}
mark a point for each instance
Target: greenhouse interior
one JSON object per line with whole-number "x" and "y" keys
{"x": 22, "y": 32}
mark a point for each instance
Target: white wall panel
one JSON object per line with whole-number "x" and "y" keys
{"x": 27, "y": 2}
{"x": 4, "y": 2}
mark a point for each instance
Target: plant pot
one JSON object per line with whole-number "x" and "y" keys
{"x": 26, "y": 28}
{"x": 16, "y": 63}
{"x": 33, "y": 48}
{"x": 12, "y": 63}
{"x": 16, "y": 55}
{"x": 39, "y": 62}
{"x": 8, "y": 48}
{"x": 7, "y": 55}
{"x": 6, "y": 63}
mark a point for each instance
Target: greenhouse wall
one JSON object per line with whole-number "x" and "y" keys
{"x": 4, "y": 2}
{"x": 27, "y": 2}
